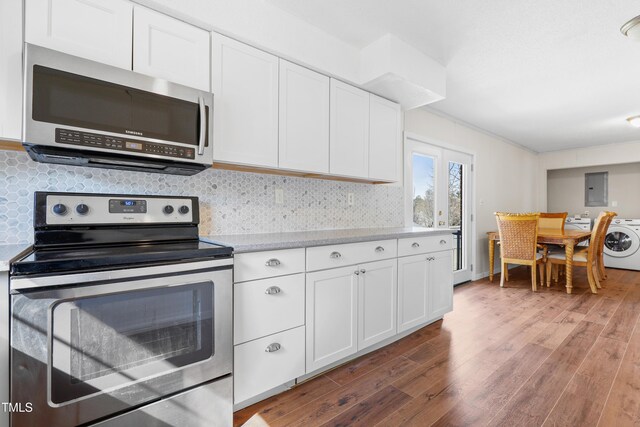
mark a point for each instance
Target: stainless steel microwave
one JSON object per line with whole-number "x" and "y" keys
{"x": 81, "y": 112}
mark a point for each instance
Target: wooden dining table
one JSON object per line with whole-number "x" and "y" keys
{"x": 551, "y": 236}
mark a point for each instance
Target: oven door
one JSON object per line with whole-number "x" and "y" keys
{"x": 95, "y": 347}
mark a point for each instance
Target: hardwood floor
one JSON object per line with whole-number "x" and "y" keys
{"x": 503, "y": 357}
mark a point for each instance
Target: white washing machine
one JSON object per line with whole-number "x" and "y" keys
{"x": 578, "y": 224}
{"x": 621, "y": 244}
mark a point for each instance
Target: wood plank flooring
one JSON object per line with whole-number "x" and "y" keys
{"x": 503, "y": 357}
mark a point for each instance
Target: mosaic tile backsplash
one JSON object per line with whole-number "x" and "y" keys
{"x": 230, "y": 202}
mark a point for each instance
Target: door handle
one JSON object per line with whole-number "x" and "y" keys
{"x": 273, "y": 347}
{"x": 441, "y": 222}
{"x": 203, "y": 125}
{"x": 272, "y": 290}
{"x": 273, "y": 262}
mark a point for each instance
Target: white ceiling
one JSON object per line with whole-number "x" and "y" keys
{"x": 546, "y": 74}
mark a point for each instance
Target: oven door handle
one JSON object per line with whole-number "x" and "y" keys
{"x": 203, "y": 125}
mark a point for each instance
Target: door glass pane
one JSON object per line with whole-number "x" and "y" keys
{"x": 96, "y": 337}
{"x": 455, "y": 210}
{"x": 423, "y": 190}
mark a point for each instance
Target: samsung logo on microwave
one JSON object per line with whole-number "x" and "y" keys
{"x": 133, "y": 132}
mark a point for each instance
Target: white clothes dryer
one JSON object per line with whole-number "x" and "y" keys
{"x": 578, "y": 224}
{"x": 621, "y": 244}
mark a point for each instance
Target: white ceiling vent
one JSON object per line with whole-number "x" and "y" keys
{"x": 395, "y": 70}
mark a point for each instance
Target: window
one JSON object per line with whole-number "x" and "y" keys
{"x": 423, "y": 190}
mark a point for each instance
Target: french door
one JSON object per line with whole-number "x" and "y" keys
{"x": 438, "y": 184}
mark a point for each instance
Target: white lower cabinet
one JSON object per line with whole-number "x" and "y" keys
{"x": 268, "y": 362}
{"x": 332, "y": 304}
{"x": 425, "y": 288}
{"x": 377, "y": 296}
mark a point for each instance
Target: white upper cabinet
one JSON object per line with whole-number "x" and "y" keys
{"x": 245, "y": 87}
{"x": 349, "y": 131}
{"x": 170, "y": 49}
{"x": 384, "y": 138}
{"x": 10, "y": 69}
{"x": 93, "y": 29}
{"x": 304, "y": 119}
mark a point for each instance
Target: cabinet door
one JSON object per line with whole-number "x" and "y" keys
{"x": 384, "y": 138}
{"x": 93, "y": 29}
{"x": 349, "y": 136}
{"x": 413, "y": 302}
{"x": 440, "y": 284}
{"x": 377, "y": 302}
{"x": 245, "y": 84}
{"x": 10, "y": 69}
{"x": 304, "y": 119}
{"x": 170, "y": 49}
{"x": 331, "y": 316}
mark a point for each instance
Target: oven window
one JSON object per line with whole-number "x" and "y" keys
{"x": 69, "y": 99}
{"x": 113, "y": 340}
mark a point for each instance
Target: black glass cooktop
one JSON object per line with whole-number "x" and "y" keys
{"x": 103, "y": 257}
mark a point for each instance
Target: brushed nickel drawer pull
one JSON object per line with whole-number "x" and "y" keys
{"x": 363, "y": 271}
{"x": 273, "y": 347}
{"x": 379, "y": 249}
{"x": 273, "y": 262}
{"x": 357, "y": 273}
{"x": 272, "y": 290}
{"x": 335, "y": 255}
{"x": 415, "y": 245}
{"x": 443, "y": 242}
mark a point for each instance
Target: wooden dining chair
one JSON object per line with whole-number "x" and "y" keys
{"x": 601, "y": 271}
{"x": 518, "y": 244}
{"x": 582, "y": 258}
{"x": 553, "y": 220}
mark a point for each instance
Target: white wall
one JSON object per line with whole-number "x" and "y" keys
{"x": 565, "y": 190}
{"x": 504, "y": 173}
{"x": 611, "y": 154}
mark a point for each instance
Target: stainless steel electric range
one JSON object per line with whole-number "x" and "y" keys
{"x": 120, "y": 316}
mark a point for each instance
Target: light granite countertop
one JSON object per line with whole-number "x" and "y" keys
{"x": 300, "y": 239}
{"x": 9, "y": 252}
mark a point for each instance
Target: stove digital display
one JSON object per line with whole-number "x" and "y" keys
{"x": 128, "y": 206}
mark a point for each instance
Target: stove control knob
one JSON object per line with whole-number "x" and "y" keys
{"x": 168, "y": 210}
{"x": 59, "y": 209}
{"x": 184, "y": 209}
{"x": 82, "y": 209}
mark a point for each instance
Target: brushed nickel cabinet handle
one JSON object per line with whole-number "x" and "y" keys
{"x": 335, "y": 255}
{"x": 443, "y": 242}
{"x": 273, "y": 262}
{"x": 272, "y": 290}
{"x": 379, "y": 249}
{"x": 415, "y": 245}
{"x": 357, "y": 273}
{"x": 273, "y": 347}
{"x": 363, "y": 271}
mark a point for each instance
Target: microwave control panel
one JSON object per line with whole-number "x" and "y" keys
{"x": 74, "y": 137}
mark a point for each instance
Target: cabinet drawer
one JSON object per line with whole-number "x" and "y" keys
{"x": 260, "y": 265}
{"x": 322, "y": 257}
{"x": 421, "y": 245}
{"x": 257, "y": 370}
{"x": 264, "y": 307}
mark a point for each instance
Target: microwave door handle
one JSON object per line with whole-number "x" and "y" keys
{"x": 203, "y": 125}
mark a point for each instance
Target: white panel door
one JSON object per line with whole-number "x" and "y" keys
{"x": 304, "y": 119}
{"x": 377, "y": 301}
{"x": 93, "y": 29}
{"x": 170, "y": 49}
{"x": 349, "y": 131}
{"x": 413, "y": 302}
{"x": 331, "y": 316}
{"x": 10, "y": 69}
{"x": 245, "y": 87}
{"x": 385, "y": 129}
{"x": 440, "y": 284}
